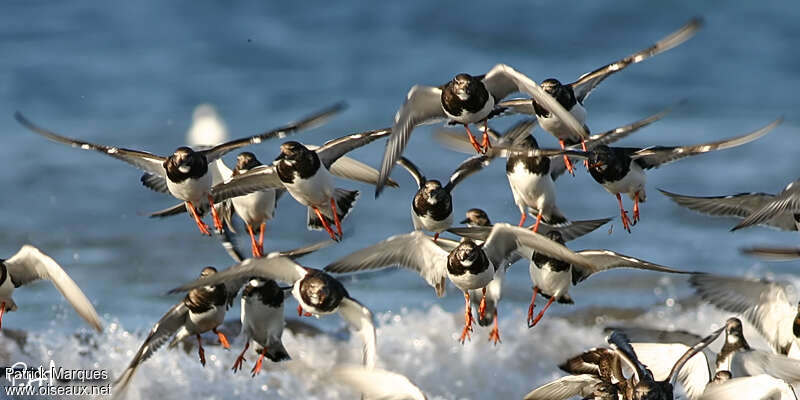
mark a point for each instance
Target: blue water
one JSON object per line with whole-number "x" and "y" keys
{"x": 130, "y": 74}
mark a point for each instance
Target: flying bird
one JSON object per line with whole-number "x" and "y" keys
{"x": 186, "y": 171}
{"x": 572, "y": 96}
{"x": 29, "y": 265}
{"x": 466, "y": 99}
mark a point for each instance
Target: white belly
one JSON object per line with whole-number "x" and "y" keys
{"x": 467, "y": 117}
{"x": 315, "y": 191}
{"x": 261, "y": 323}
{"x": 630, "y": 184}
{"x": 560, "y": 130}
{"x": 532, "y": 190}
{"x": 203, "y": 322}
{"x": 550, "y": 282}
{"x": 794, "y": 350}
{"x": 468, "y": 281}
{"x": 429, "y": 224}
{"x": 255, "y": 208}
{"x": 193, "y": 190}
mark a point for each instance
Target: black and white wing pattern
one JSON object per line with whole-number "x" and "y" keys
{"x": 145, "y": 161}
{"x": 587, "y": 82}
{"x": 423, "y": 104}
{"x": 308, "y": 122}
{"x": 465, "y": 169}
{"x": 557, "y": 166}
{"x": 413, "y": 170}
{"x": 29, "y": 264}
{"x": 161, "y": 333}
{"x": 737, "y": 205}
{"x": 763, "y": 303}
{"x": 334, "y": 149}
{"x": 654, "y": 157}
{"x": 504, "y": 239}
{"x": 415, "y": 251}
{"x": 273, "y": 266}
{"x": 787, "y": 201}
{"x": 507, "y": 75}
{"x": 258, "y": 178}
{"x": 603, "y": 260}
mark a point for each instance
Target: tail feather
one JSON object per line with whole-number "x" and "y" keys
{"x": 345, "y": 199}
{"x": 276, "y": 352}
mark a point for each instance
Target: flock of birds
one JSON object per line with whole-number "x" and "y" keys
{"x": 637, "y": 364}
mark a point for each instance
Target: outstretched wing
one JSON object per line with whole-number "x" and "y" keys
{"x": 603, "y": 260}
{"x": 763, "y": 303}
{"x": 737, "y": 205}
{"x": 308, "y": 122}
{"x": 29, "y": 264}
{"x": 360, "y": 320}
{"x": 163, "y": 330}
{"x": 654, "y": 157}
{"x": 787, "y": 201}
{"x": 565, "y": 388}
{"x": 415, "y": 251}
{"x": 423, "y": 103}
{"x": 145, "y": 161}
{"x": 272, "y": 266}
{"x": 505, "y": 239}
{"x": 587, "y": 82}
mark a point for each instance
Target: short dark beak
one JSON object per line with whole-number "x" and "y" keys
{"x": 464, "y": 221}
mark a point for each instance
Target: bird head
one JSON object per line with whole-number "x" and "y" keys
{"x": 476, "y": 217}
{"x": 245, "y": 161}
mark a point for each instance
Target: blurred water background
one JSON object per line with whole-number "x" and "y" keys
{"x": 130, "y": 74}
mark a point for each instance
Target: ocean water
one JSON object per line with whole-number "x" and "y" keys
{"x": 130, "y": 74}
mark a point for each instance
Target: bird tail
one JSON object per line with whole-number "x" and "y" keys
{"x": 276, "y": 352}
{"x": 345, "y": 199}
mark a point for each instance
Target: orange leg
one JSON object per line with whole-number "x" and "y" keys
{"x": 485, "y": 143}
{"x": 523, "y": 218}
{"x": 482, "y": 306}
{"x": 223, "y": 340}
{"x": 300, "y": 312}
{"x": 325, "y": 224}
{"x": 253, "y": 244}
{"x": 257, "y": 368}
{"x": 585, "y": 161}
{"x": 237, "y": 365}
{"x": 636, "y": 208}
{"x": 261, "y": 238}
{"x": 200, "y": 351}
{"x": 214, "y": 215}
{"x": 567, "y": 162}
{"x": 472, "y": 139}
{"x": 494, "y": 335}
{"x": 541, "y": 313}
{"x": 626, "y": 222}
{"x": 2, "y": 310}
{"x": 530, "y": 307}
{"x": 200, "y": 224}
{"x": 465, "y": 334}
{"x": 535, "y": 227}
{"x": 435, "y": 236}
{"x": 336, "y": 218}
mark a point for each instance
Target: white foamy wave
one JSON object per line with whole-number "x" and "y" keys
{"x": 421, "y": 344}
